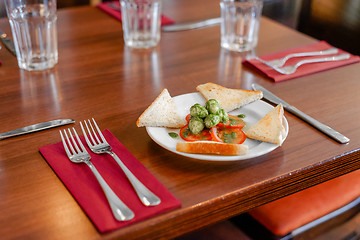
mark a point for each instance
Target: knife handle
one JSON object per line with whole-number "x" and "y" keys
{"x": 318, "y": 125}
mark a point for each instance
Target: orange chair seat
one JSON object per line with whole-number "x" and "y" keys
{"x": 289, "y": 213}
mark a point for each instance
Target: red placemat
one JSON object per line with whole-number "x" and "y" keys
{"x": 84, "y": 187}
{"x": 113, "y": 9}
{"x": 303, "y": 70}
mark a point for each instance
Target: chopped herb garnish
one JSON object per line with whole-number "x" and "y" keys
{"x": 232, "y": 122}
{"x": 226, "y": 135}
{"x": 173, "y": 135}
{"x": 186, "y": 133}
{"x": 241, "y": 115}
{"x": 233, "y": 135}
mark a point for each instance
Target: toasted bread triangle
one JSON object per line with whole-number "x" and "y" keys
{"x": 161, "y": 113}
{"x": 269, "y": 128}
{"x": 229, "y": 99}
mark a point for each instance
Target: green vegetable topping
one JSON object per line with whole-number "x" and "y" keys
{"x": 224, "y": 116}
{"x": 209, "y": 116}
{"x": 212, "y": 120}
{"x": 198, "y": 111}
{"x": 196, "y": 125}
{"x": 212, "y": 106}
{"x": 173, "y": 135}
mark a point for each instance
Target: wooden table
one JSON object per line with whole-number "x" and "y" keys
{"x": 98, "y": 77}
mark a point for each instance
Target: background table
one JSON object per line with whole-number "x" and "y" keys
{"x": 98, "y": 77}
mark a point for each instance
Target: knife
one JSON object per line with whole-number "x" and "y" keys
{"x": 36, "y": 127}
{"x": 193, "y": 25}
{"x": 8, "y": 43}
{"x": 182, "y": 26}
{"x": 293, "y": 110}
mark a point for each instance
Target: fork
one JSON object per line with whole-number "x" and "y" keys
{"x": 76, "y": 155}
{"x": 281, "y": 61}
{"x": 292, "y": 68}
{"x": 101, "y": 146}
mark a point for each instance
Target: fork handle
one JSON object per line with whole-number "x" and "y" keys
{"x": 147, "y": 197}
{"x": 305, "y": 54}
{"x": 342, "y": 56}
{"x": 120, "y": 210}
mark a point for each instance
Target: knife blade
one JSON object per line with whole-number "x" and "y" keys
{"x": 293, "y": 110}
{"x": 8, "y": 43}
{"x": 192, "y": 25}
{"x": 36, "y": 127}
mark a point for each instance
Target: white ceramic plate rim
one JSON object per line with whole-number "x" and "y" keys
{"x": 253, "y": 112}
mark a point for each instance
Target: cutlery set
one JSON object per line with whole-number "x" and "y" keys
{"x": 278, "y": 64}
{"x": 97, "y": 143}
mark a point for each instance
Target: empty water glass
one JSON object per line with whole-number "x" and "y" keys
{"x": 33, "y": 26}
{"x": 141, "y": 22}
{"x": 240, "y": 24}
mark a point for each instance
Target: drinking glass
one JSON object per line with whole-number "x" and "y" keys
{"x": 141, "y": 22}
{"x": 33, "y": 26}
{"x": 240, "y": 24}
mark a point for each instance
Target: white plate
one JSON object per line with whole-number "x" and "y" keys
{"x": 253, "y": 112}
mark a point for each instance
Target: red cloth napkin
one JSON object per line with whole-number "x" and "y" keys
{"x": 303, "y": 70}
{"x": 105, "y": 6}
{"x": 84, "y": 187}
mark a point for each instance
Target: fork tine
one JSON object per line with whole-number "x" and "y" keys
{"x": 74, "y": 142}
{"x": 94, "y": 132}
{"x": 79, "y": 141}
{"x": 72, "y": 150}
{"x": 89, "y": 143}
{"x": 100, "y": 133}
{"x": 90, "y": 134}
{"x": 65, "y": 145}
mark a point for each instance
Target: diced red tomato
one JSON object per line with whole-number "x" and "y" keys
{"x": 187, "y": 135}
{"x": 234, "y": 122}
{"x": 227, "y": 135}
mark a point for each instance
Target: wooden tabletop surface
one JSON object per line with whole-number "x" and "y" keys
{"x": 98, "y": 77}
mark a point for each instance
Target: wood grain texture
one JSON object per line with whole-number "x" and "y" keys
{"x": 98, "y": 77}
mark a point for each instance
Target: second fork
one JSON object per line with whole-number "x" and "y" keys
{"x": 281, "y": 61}
{"x": 98, "y": 146}
{"x": 292, "y": 68}
{"x": 77, "y": 153}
